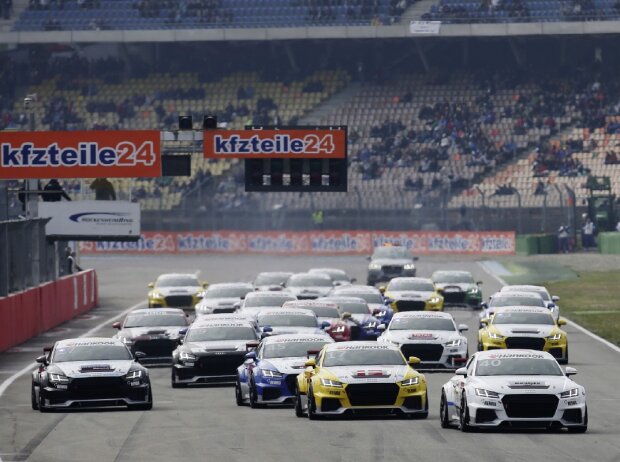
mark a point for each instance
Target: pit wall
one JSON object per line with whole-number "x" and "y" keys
{"x": 309, "y": 243}
{"x": 26, "y": 314}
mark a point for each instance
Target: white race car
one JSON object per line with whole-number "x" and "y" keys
{"x": 550, "y": 300}
{"x": 429, "y": 335}
{"x": 515, "y": 388}
{"x": 514, "y": 298}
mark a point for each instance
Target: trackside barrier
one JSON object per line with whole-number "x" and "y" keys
{"x": 26, "y": 314}
{"x": 310, "y": 243}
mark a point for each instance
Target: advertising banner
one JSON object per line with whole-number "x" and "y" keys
{"x": 281, "y": 143}
{"x": 80, "y": 154}
{"x": 310, "y": 243}
{"x": 91, "y": 220}
{"x": 424, "y": 27}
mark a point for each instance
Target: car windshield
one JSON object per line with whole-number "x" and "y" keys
{"x": 290, "y": 349}
{"x": 103, "y": 352}
{"x": 463, "y": 278}
{"x": 507, "y": 300}
{"x": 208, "y": 334}
{"x": 267, "y": 301}
{"x": 523, "y": 318}
{"x": 179, "y": 281}
{"x": 308, "y": 281}
{"x": 363, "y": 357}
{"x": 391, "y": 252}
{"x": 270, "y": 279}
{"x": 324, "y": 311}
{"x": 149, "y": 320}
{"x": 368, "y": 297}
{"x": 354, "y": 307}
{"x": 227, "y": 292}
{"x": 421, "y": 286}
{"x": 422, "y": 324}
{"x": 280, "y": 320}
{"x": 517, "y": 366}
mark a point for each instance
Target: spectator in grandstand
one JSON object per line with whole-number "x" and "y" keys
{"x": 6, "y": 8}
{"x": 541, "y": 189}
{"x": 504, "y": 190}
{"x": 104, "y": 190}
{"x": 416, "y": 185}
{"x": 54, "y": 192}
{"x": 611, "y": 158}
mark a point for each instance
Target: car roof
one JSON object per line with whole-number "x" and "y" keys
{"x": 451, "y": 272}
{"x": 423, "y": 314}
{"x": 278, "y": 294}
{"x": 512, "y": 353}
{"x": 219, "y": 285}
{"x": 286, "y": 338}
{"x": 312, "y": 275}
{"x": 361, "y": 345}
{"x": 355, "y": 288}
{"x": 299, "y": 304}
{"x": 221, "y": 323}
{"x": 523, "y": 287}
{"x": 275, "y": 273}
{"x": 522, "y": 309}
{"x": 89, "y": 341}
{"x": 284, "y": 312}
{"x": 343, "y": 299}
{"x": 522, "y": 294}
{"x": 156, "y": 311}
{"x": 410, "y": 279}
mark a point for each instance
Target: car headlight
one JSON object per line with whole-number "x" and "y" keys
{"x": 434, "y": 300}
{"x": 557, "y": 336}
{"x": 187, "y": 356}
{"x": 454, "y": 343}
{"x": 58, "y": 378}
{"x": 331, "y": 383}
{"x": 133, "y": 375}
{"x": 495, "y": 336}
{"x": 371, "y": 325}
{"x": 409, "y": 266}
{"x": 486, "y": 393}
{"x": 374, "y": 266}
{"x": 410, "y": 382}
{"x": 204, "y": 309}
{"x": 157, "y": 295}
{"x": 573, "y": 393}
{"x": 474, "y": 290}
{"x": 271, "y": 374}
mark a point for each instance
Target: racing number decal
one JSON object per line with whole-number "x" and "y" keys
{"x": 128, "y": 155}
{"x": 315, "y": 145}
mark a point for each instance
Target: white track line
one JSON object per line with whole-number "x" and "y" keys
{"x": 7, "y": 383}
{"x": 569, "y": 322}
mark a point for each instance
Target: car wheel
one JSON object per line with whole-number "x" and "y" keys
{"x": 33, "y": 398}
{"x": 174, "y": 380}
{"x": 480, "y": 347}
{"x": 443, "y": 411}
{"x": 464, "y": 417}
{"x": 312, "y": 415}
{"x": 145, "y": 406}
{"x": 565, "y": 359}
{"x": 253, "y": 397}
{"x": 580, "y": 428}
{"x": 238, "y": 393}
{"x": 299, "y": 411}
{"x": 41, "y": 406}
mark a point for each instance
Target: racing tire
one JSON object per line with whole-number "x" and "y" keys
{"x": 443, "y": 411}
{"x": 464, "y": 425}
{"x": 565, "y": 359}
{"x": 580, "y": 428}
{"x": 480, "y": 347}
{"x": 174, "y": 381}
{"x": 299, "y": 411}
{"x": 42, "y": 407}
{"x": 254, "y": 404}
{"x": 238, "y": 394}
{"x": 145, "y": 406}
{"x": 33, "y": 398}
{"x": 312, "y": 415}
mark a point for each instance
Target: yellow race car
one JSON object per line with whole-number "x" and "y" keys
{"x": 361, "y": 378}
{"x": 524, "y": 327}
{"x": 412, "y": 294}
{"x": 175, "y": 291}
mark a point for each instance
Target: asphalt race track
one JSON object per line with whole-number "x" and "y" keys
{"x": 205, "y": 424}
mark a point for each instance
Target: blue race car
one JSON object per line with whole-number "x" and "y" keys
{"x": 269, "y": 374}
{"x": 364, "y": 325}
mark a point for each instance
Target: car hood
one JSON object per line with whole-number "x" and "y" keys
{"x": 517, "y": 384}
{"x": 271, "y": 287}
{"x": 293, "y": 365}
{"x": 166, "y": 291}
{"x": 152, "y": 332}
{"x": 410, "y": 295}
{"x": 82, "y": 369}
{"x": 420, "y": 336}
{"x": 312, "y": 291}
{"x": 392, "y": 261}
{"x": 217, "y": 345}
{"x": 253, "y": 311}
{"x": 219, "y": 302}
{"x": 368, "y": 374}
{"x": 277, "y": 330}
{"x": 523, "y": 330}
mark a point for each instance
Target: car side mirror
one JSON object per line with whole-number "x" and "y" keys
{"x": 570, "y": 371}
{"x": 310, "y": 362}
{"x": 461, "y": 371}
{"x": 478, "y": 283}
{"x": 237, "y": 305}
{"x": 250, "y": 355}
{"x": 463, "y": 327}
{"x": 308, "y": 372}
{"x": 116, "y": 325}
{"x": 561, "y": 322}
{"x": 151, "y": 285}
{"x": 416, "y": 258}
{"x": 382, "y": 289}
{"x": 413, "y": 360}
{"x": 180, "y": 340}
{"x": 484, "y": 305}
{"x": 555, "y": 298}
{"x": 484, "y": 322}
{"x": 205, "y": 284}
{"x": 183, "y": 331}
{"x": 138, "y": 355}
{"x": 388, "y": 301}
{"x": 325, "y": 325}
{"x": 42, "y": 359}
{"x": 282, "y": 284}
{"x": 381, "y": 327}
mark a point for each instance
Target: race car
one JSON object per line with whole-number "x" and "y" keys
{"x": 211, "y": 352}
{"x": 175, "y": 291}
{"x": 515, "y": 388}
{"x": 278, "y": 321}
{"x": 339, "y": 277}
{"x": 371, "y": 295}
{"x": 412, "y": 294}
{"x": 550, "y": 300}
{"x": 309, "y": 285}
{"x": 255, "y": 302}
{"x": 503, "y": 299}
{"x": 223, "y": 298}
{"x": 458, "y": 288}
{"x": 153, "y": 331}
{"x": 524, "y": 327}
{"x": 90, "y": 372}
{"x": 388, "y": 262}
{"x": 361, "y": 378}
{"x": 431, "y": 336}
{"x": 326, "y": 312}
{"x": 271, "y": 280}
{"x": 269, "y": 375}
{"x": 357, "y": 316}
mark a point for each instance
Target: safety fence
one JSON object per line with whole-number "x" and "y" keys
{"x": 26, "y": 314}
{"x": 311, "y": 243}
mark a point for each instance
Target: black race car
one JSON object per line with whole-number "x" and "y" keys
{"x": 90, "y": 372}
